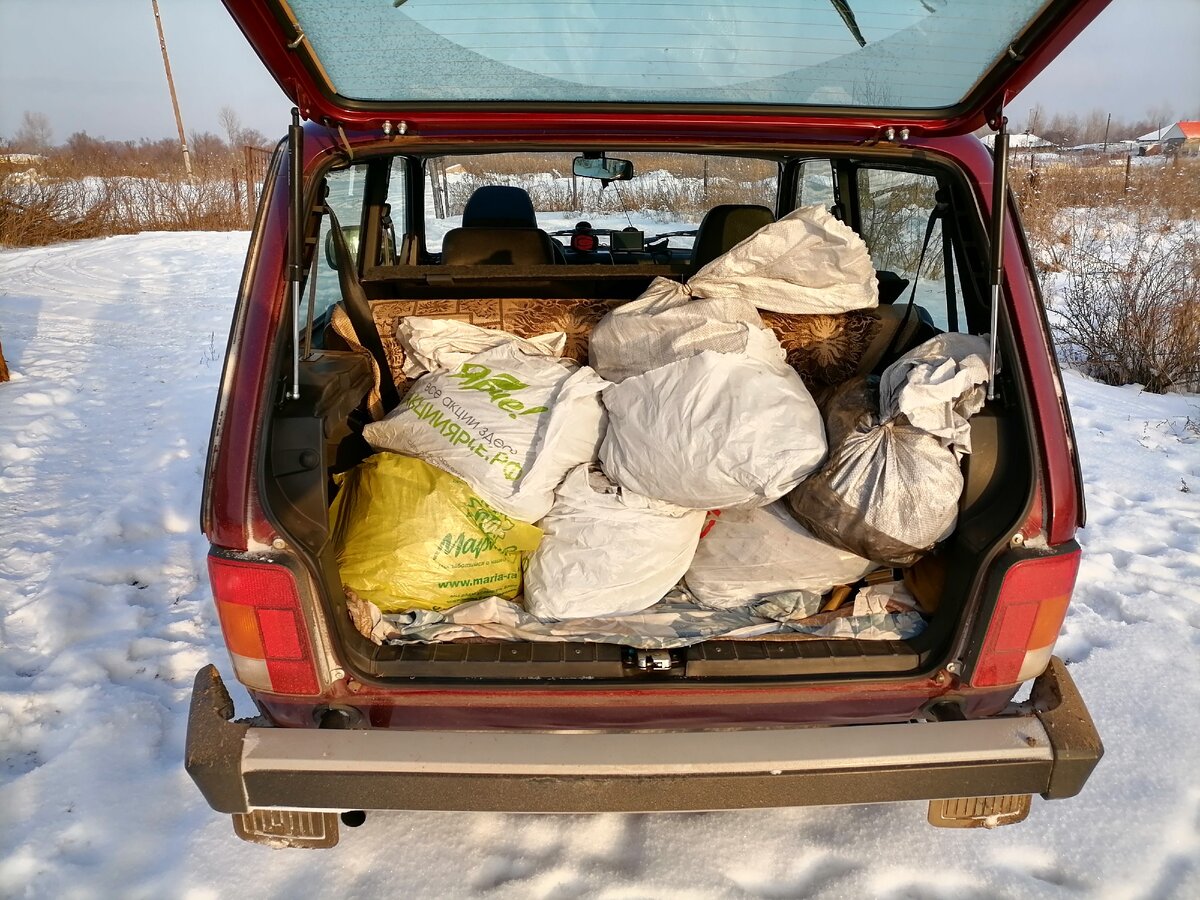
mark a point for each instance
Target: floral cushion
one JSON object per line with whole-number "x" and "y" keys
{"x": 824, "y": 349}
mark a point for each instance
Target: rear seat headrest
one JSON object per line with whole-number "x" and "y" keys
{"x": 725, "y": 226}
{"x": 499, "y": 206}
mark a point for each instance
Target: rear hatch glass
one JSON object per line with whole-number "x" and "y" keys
{"x": 850, "y": 53}
{"x": 932, "y": 60}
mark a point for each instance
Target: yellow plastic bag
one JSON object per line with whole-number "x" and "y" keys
{"x": 408, "y": 535}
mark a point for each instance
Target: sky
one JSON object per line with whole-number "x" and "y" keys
{"x": 96, "y": 67}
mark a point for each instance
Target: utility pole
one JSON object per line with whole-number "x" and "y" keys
{"x": 162, "y": 42}
{"x": 1106, "y": 124}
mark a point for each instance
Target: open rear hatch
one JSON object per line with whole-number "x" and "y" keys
{"x": 938, "y": 67}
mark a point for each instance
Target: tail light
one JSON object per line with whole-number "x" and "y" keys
{"x": 259, "y": 608}
{"x": 1029, "y": 612}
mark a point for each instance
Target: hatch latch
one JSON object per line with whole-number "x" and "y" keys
{"x": 654, "y": 660}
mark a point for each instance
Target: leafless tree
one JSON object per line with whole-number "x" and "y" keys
{"x": 231, "y": 124}
{"x": 35, "y": 134}
{"x": 1092, "y": 129}
{"x": 1035, "y": 122}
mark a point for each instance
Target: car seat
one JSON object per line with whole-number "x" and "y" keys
{"x": 499, "y": 227}
{"x": 725, "y": 226}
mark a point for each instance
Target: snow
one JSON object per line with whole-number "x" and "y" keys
{"x": 115, "y": 347}
{"x": 1018, "y": 140}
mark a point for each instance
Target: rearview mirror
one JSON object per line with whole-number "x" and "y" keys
{"x": 351, "y": 234}
{"x": 608, "y": 168}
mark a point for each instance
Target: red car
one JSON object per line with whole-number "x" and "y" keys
{"x": 757, "y": 111}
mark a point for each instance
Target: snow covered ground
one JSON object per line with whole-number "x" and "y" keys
{"x": 115, "y": 347}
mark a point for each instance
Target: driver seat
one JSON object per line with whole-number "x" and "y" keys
{"x": 724, "y": 227}
{"x": 499, "y": 227}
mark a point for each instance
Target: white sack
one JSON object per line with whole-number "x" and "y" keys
{"x": 889, "y": 491}
{"x": 606, "y": 551}
{"x": 808, "y": 262}
{"x": 712, "y": 431}
{"x": 666, "y": 324}
{"x": 750, "y": 554}
{"x": 508, "y": 424}
{"x": 432, "y": 344}
{"x": 879, "y": 599}
{"x": 938, "y": 386}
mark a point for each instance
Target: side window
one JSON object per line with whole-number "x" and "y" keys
{"x": 814, "y": 185}
{"x": 393, "y": 225}
{"x": 346, "y": 197}
{"x": 346, "y": 191}
{"x": 894, "y": 208}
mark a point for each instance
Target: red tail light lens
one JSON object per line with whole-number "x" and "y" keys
{"x": 259, "y": 608}
{"x": 1029, "y": 613}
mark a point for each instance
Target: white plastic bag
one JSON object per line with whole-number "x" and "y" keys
{"x": 606, "y": 551}
{"x": 712, "y": 431}
{"x": 750, "y": 554}
{"x": 432, "y": 344}
{"x": 509, "y": 424}
{"x": 938, "y": 386}
{"x": 889, "y": 490}
{"x": 808, "y": 262}
{"x": 666, "y": 324}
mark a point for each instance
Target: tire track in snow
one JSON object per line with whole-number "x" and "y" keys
{"x": 105, "y": 615}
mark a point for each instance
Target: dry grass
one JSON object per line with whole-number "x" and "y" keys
{"x": 1171, "y": 190}
{"x": 37, "y": 210}
{"x": 1125, "y": 267}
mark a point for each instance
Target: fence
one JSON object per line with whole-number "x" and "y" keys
{"x": 255, "y": 163}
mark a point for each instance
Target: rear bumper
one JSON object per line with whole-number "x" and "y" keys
{"x": 1050, "y": 750}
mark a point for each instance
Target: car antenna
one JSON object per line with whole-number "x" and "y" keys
{"x": 620, "y": 197}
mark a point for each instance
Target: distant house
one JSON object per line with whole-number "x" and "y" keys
{"x": 1182, "y": 137}
{"x": 1020, "y": 141}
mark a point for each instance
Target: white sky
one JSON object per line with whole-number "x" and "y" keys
{"x": 96, "y": 67}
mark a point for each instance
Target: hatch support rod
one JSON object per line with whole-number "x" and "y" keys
{"x": 999, "y": 207}
{"x": 295, "y": 237}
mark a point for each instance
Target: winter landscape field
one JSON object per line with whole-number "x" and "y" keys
{"x": 115, "y": 347}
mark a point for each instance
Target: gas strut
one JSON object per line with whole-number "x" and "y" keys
{"x": 295, "y": 237}
{"x": 999, "y": 205}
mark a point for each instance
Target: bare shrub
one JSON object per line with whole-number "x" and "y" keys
{"x": 36, "y": 210}
{"x": 1129, "y": 312}
{"x": 1171, "y": 189}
